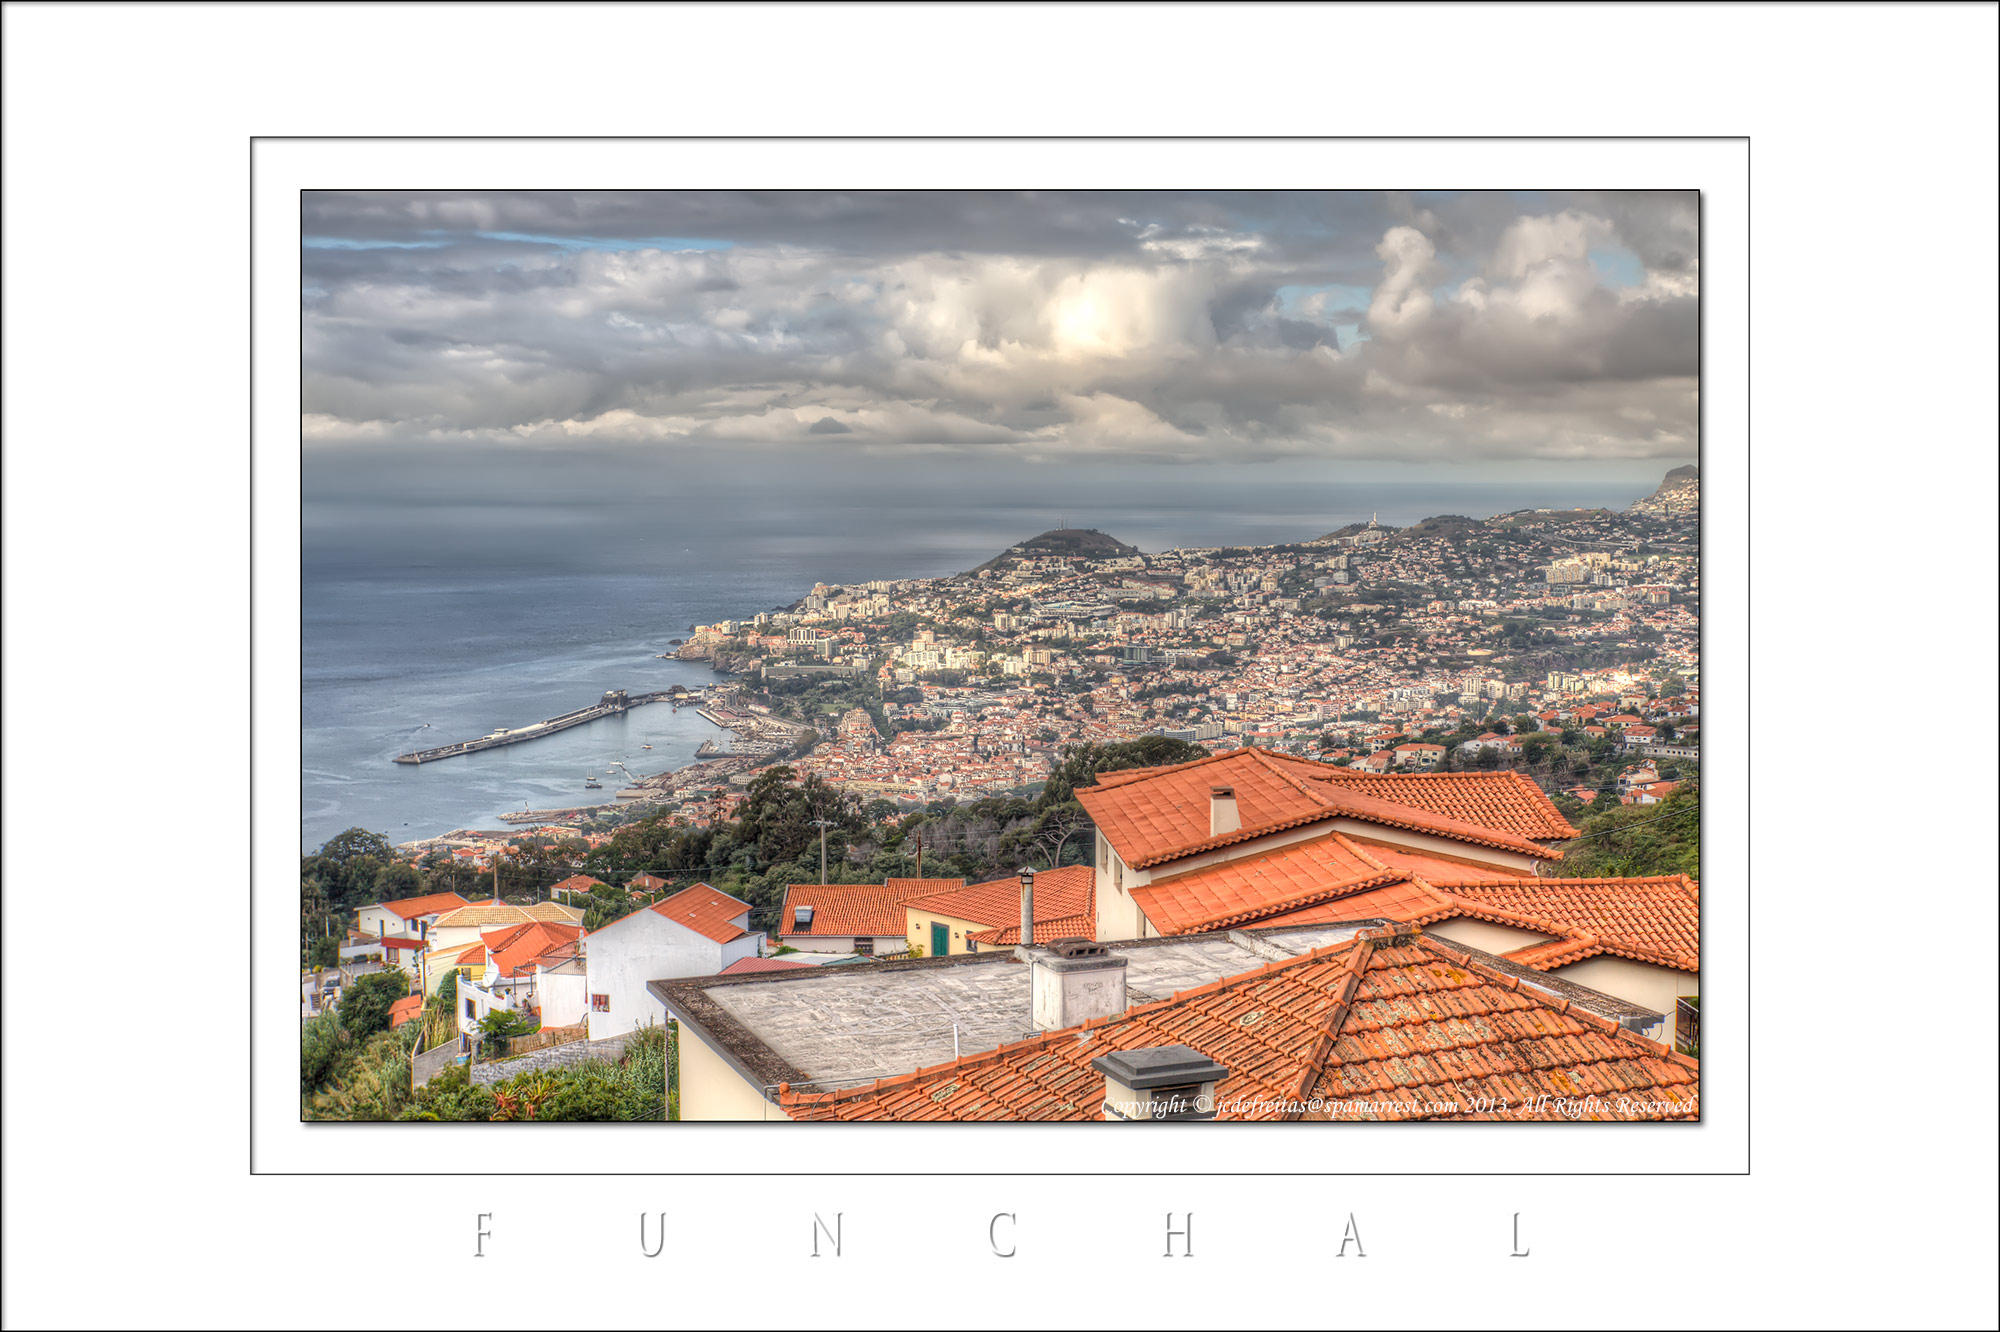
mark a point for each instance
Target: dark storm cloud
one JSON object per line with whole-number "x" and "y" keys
{"x": 1145, "y": 325}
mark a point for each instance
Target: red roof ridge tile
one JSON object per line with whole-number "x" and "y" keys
{"x": 1329, "y": 1031}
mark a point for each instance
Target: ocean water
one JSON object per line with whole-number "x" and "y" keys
{"x": 446, "y": 594}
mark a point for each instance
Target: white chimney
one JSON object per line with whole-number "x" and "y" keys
{"x": 1074, "y": 981}
{"x": 1222, "y": 814}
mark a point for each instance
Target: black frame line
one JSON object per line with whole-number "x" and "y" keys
{"x": 571, "y": 1130}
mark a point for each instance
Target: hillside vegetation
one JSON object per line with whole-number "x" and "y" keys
{"x": 1637, "y": 840}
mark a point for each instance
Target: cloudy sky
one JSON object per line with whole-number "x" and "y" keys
{"x": 1159, "y": 327}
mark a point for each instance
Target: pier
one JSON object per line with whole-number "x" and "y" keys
{"x": 615, "y": 701}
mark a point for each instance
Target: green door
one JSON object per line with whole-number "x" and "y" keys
{"x": 940, "y": 940}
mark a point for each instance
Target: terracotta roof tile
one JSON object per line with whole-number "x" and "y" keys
{"x": 856, "y": 909}
{"x": 1389, "y": 1025}
{"x": 1655, "y": 920}
{"x": 1153, "y": 815}
{"x": 1082, "y": 925}
{"x": 1255, "y": 886}
{"x": 1069, "y": 891}
{"x": 409, "y": 908}
{"x": 517, "y": 949}
{"x": 707, "y": 911}
{"x": 1505, "y": 800}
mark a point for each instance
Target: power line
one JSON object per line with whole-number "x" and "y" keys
{"x": 1608, "y": 832}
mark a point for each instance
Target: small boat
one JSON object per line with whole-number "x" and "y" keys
{"x": 592, "y": 784}
{"x": 645, "y": 746}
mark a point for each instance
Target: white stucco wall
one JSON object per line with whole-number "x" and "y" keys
{"x": 563, "y": 996}
{"x": 1485, "y": 935}
{"x": 646, "y": 946}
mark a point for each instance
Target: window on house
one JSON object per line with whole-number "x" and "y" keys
{"x": 865, "y": 947}
{"x": 600, "y": 1003}
{"x": 468, "y": 1009}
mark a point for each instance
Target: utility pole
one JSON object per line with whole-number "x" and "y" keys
{"x": 822, "y": 848}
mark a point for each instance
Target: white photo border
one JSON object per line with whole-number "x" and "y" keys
{"x": 1717, "y": 167}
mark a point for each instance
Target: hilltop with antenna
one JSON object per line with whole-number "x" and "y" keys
{"x": 1062, "y": 540}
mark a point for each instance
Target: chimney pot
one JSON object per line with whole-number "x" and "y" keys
{"x": 1223, "y": 816}
{"x": 1167, "y": 1082}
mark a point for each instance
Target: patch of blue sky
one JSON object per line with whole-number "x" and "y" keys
{"x": 572, "y": 244}
{"x": 1340, "y": 298}
{"x": 1618, "y": 266}
{"x": 350, "y": 243}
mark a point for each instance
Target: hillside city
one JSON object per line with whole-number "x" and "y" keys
{"x": 1455, "y": 716}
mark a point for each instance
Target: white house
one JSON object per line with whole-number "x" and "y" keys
{"x": 406, "y": 918}
{"x": 563, "y": 990}
{"x": 515, "y": 958}
{"x": 696, "y": 932}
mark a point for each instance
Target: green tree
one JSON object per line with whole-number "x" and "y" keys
{"x": 500, "y": 1026}
{"x": 364, "y": 1008}
{"x": 1079, "y": 765}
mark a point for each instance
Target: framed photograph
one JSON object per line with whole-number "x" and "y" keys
{"x": 1007, "y": 657}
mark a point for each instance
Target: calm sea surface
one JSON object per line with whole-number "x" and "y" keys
{"x": 444, "y": 597}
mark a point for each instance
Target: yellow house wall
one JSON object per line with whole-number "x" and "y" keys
{"x": 918, "y": 930}
{"x": 712, "y": 1089}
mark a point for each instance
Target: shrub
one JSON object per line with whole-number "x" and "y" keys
{"x": 364, "y": 1009}
{"x": 322, "y": 1043}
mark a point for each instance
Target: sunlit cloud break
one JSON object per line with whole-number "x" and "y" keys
{"x": 1143, "y": 326}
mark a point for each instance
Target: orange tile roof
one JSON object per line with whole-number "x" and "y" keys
{"x": 1505, "y": 800}
{"x": 856, "y": 909}
{"x": 1153, "y": 815}
{"x": 1655, "y": 920}
{"x": 404, "y": 1009}
{"x": 1390, "y": 1025}
{"x": 1082, "y": 925}
{"x": 517, "y": 949}
{"x": 1069, "y": 891}
{"x": 578, "y": 883}
{"x": 1431, "y": 865}
{"x": 1409, "y": 900}
{"x": 707, "y": 911}
{"x": 409, "y": 908}
{"x": 1218, "y": 897}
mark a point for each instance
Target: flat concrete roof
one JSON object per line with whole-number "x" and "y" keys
{"x": 831, "y": 1027}
{"x": 834, "y": 1026}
